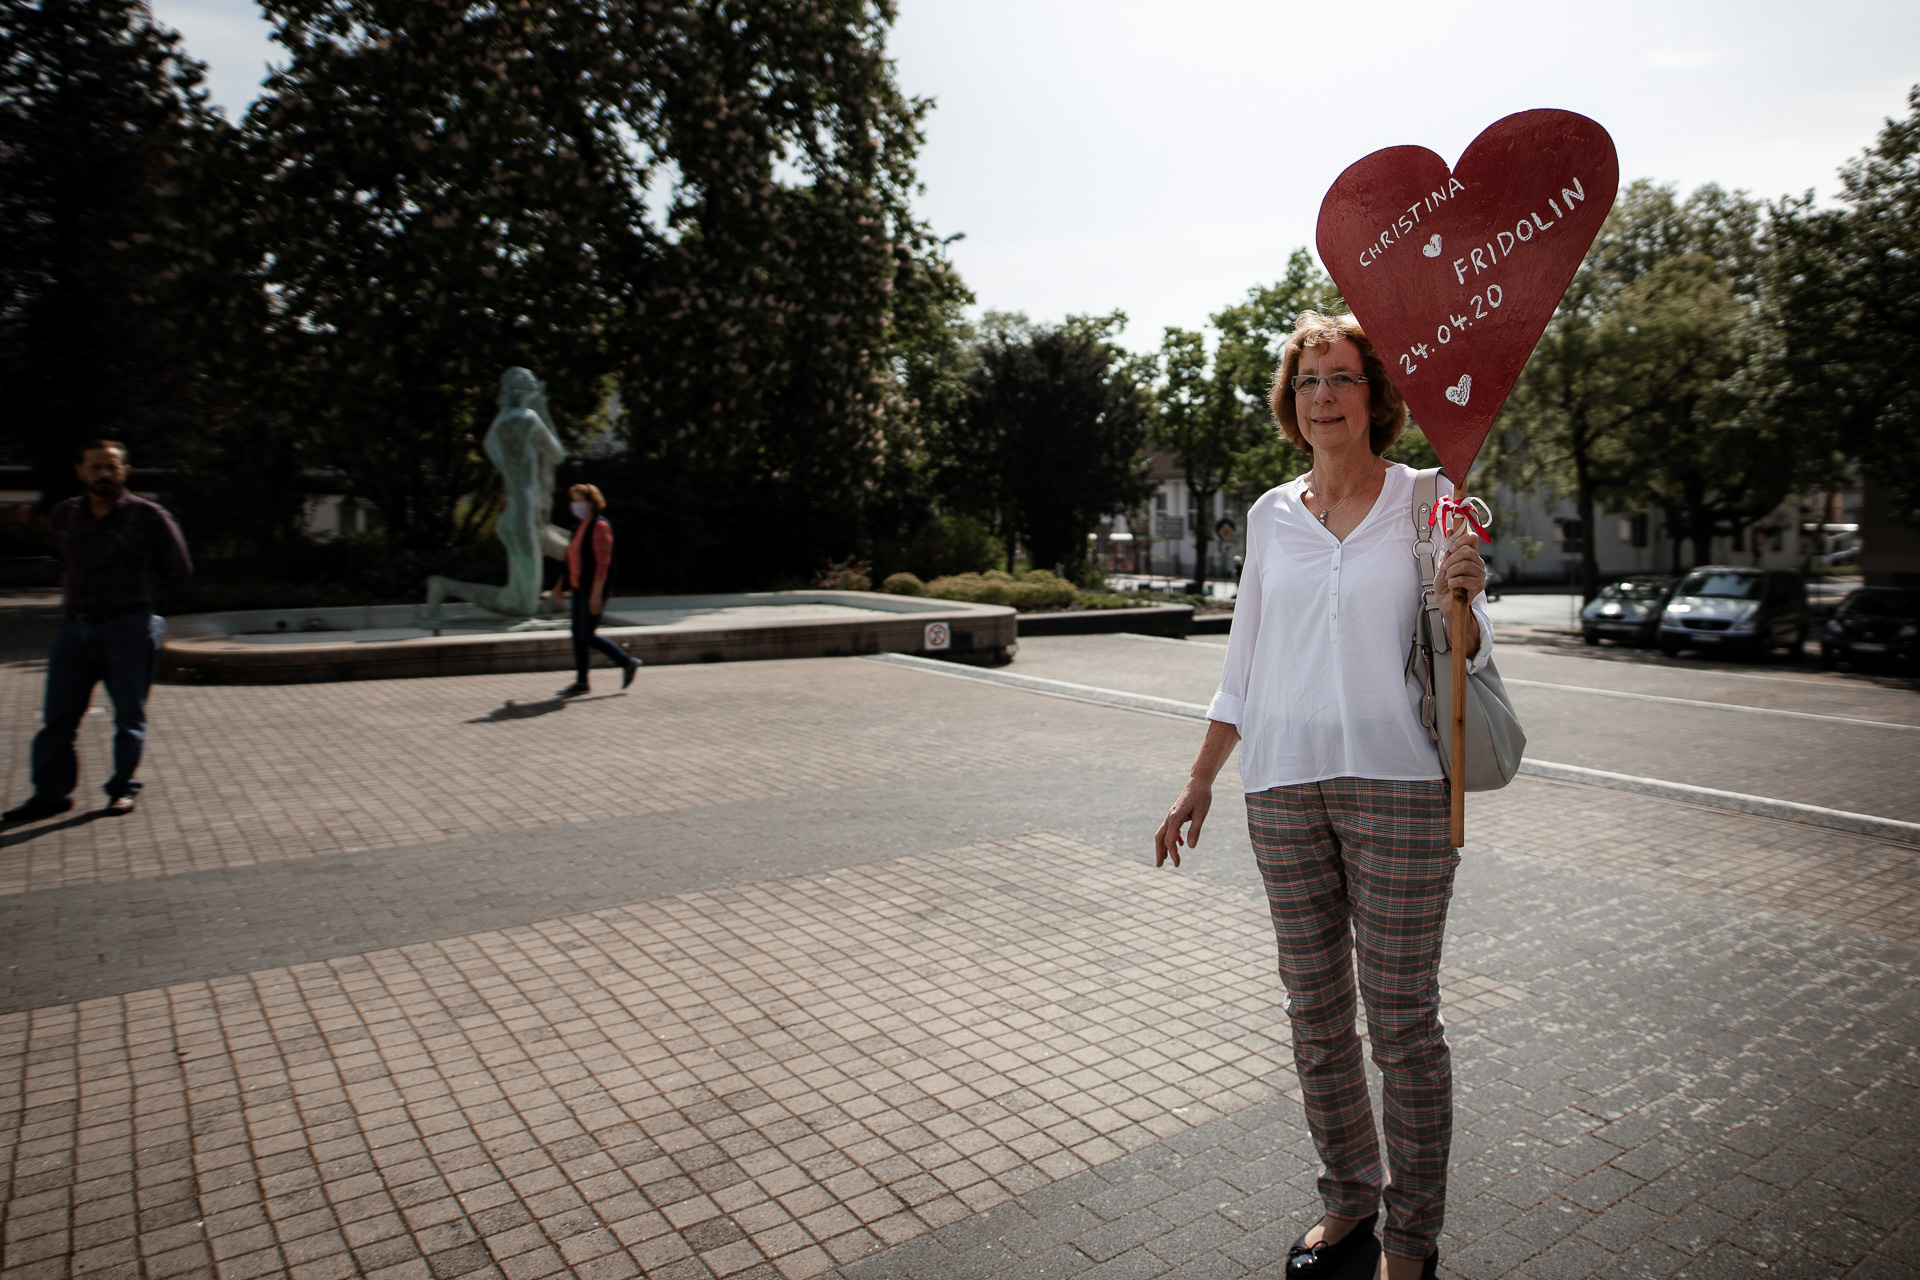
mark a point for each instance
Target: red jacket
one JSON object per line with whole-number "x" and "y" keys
{"x": 599, "y": 556}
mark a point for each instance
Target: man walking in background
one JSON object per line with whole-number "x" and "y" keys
{"x": 119, "y": 552}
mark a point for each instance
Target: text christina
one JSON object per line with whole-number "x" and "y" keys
{"x": 1406, "y": 222}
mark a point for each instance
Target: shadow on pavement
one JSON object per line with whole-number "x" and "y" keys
{"x": 515, "y": 710}
{"x": 13, "y": 835}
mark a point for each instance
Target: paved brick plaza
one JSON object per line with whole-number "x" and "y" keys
{"x": 834, "y": 968}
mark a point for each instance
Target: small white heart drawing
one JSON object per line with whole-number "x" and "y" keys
{"x": 1432, "y": 247}
{"x": 1460, "y": 390}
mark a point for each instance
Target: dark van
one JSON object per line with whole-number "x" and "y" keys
{"x": 1750, "y": 612}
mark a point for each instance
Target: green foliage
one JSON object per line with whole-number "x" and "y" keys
{"x": 447, "y": 190}
{"x": 1252, "y": 333}
{"x": 844, "y": 575}
{"x": 109, "y": 276}
{"x": 1048, "y": 434}
{"x": 1841, "y": 291}
{"x": 950, "y": 544}
{"x": 903, "y": 584}
{"x": 1709, "y": 453}
{"x": 1268, "y": 463}
{"x": 1203, "y": 422}
{"x": 707, "y": 202}
{"x": 799, "y": 308}
{"x": 1211, "y": 411}
{"x": 1111, "y": 600}
{"x": 1037, "y": 588}
{"x": 1636, "y": 395}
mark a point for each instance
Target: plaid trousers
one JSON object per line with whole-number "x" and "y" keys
{"x": 1358, "y": 868}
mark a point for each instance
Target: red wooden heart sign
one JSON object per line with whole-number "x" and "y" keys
{"x": 1455, "y": 273}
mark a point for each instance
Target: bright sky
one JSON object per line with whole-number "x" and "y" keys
{"x": 1164, "y": 158}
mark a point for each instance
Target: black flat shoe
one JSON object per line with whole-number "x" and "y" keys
{"x": 574, "y": 690}
{"x": 626, "y": 677}
{"x": 1355, "y": 1257}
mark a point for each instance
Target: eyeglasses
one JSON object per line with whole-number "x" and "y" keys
{"x": 1307, "y": 383}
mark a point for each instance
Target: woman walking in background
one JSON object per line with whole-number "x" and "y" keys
{"x": 1345, "y": 803}
{"x": 589, "y": 556}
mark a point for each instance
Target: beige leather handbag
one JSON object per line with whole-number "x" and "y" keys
{"x": 1495, "y": 739}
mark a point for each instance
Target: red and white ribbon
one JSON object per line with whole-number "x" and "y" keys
{"x": 1447, "y": 515}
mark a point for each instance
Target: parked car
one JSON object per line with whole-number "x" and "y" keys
{"x": 1628, "y": 610}
{"x": 1872, "y": 626}
{"x": 1749, "y": 611}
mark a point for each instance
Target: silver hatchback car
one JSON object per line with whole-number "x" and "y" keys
{"x": 1628, "y": 610}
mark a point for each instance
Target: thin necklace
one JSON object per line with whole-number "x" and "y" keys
{"x": 1330, "y": 510}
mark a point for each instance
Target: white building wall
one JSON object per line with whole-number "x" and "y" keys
{"x": 1774, "y": 543}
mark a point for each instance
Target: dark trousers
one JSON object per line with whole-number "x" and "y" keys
{"x": 585, "y": 641}
{"x": 117, "y": 653}
{"x": 1360, "y": 870}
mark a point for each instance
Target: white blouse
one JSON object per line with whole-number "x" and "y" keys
{"x": 1315, "y": 676}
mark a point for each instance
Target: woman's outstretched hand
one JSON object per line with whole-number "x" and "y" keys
{"x": 1190, "y": 811}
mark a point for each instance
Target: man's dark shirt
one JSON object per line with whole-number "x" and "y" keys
{"x": 118, "y": 563}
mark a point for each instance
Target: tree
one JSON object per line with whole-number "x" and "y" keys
{"x": 1631, "y": 394}
{"x": 1843, "y": 289}
{"x": 1252, "y": 333}
{"x": 907, "y": 531}
{"x": 99, "y": 115}
{"x": 1217, "y": 422}
{"x": 1205, "y": 424}
{"x": 1704, "y": 449}
{"x": 450, "y": 189}
{"x": 1048, "y": 435}
{"x": 772, "y": 362}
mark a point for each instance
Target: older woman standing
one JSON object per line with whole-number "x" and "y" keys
{"x": 1346, "y": 804}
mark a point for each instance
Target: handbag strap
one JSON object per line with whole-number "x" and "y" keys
{"x": 1426, "y": 493}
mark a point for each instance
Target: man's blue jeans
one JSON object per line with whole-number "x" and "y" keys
{"x": 118, "y": 653}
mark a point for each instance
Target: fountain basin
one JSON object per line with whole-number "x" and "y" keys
{"x": 292, "y": 646}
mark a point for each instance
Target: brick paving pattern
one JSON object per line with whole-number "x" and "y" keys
{"x": 1685, "y": 1040}
{"x": 241, "y": 774}
{"x": 828, "y": 1064}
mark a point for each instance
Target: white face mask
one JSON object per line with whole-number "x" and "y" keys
{"x": 582, "y": 510}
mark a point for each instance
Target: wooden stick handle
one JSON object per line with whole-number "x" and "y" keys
{"x": 1462, "y": 625}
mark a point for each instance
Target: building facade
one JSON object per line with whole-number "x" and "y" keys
{"x": 1535, "y": 539}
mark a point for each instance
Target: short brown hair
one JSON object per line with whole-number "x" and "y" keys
{"x": 80, "y": 455}
{"x": 1311, "y": 329}
{"x": 591, "y": 494}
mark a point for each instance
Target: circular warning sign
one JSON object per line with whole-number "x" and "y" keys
{"x": 938, "y": 637}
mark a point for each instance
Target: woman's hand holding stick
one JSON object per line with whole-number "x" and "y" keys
{"x": 1463, "y": 572}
